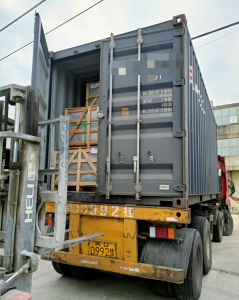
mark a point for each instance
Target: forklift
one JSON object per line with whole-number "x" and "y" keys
{"x": 23, "y": 192}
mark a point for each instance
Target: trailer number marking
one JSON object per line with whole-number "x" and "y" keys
{"x": 101, "y": 210}
{"x": 114, "y": 213}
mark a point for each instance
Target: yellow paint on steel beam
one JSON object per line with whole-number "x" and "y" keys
{"x": 118, "y": 266}
{"x": 130, "y": 241}
{"x": 160, "y": 214}
{"x": 75, "y": 225}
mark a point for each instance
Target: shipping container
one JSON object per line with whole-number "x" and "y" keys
{"x": 157, "y": 132}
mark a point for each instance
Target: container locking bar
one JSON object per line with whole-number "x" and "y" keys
{"x": 108, "y": 183}
{"x": 138, "y": 187}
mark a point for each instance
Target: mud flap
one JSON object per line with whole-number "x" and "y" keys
{"x": 169, "y": 253}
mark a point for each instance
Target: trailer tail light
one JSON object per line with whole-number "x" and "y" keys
{"x": 171, "y": 233}
{"x": 161, "y": 233}
{"x": 50, "y": 220}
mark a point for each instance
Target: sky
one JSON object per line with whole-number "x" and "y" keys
{"x": 218, "y": 60}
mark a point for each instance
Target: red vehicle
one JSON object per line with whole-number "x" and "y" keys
{"x": 227, "y": 189}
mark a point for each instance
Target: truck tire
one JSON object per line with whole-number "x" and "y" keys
{"x": 161, "y": 288}
{"x": 85, "y": 273}
{"x": 60, "y": 268}
{"x": 191, "y": 288}
{"x": 228, "y": 224}
{"x": 203, "y": 226}
{"x": 218, "y": 228}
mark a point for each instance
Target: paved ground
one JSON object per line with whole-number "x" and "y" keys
{"x": 222, "y": 283}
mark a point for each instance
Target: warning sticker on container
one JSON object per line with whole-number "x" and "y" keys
{"x": 125, "y": 112}
{"x": 164, "y": 187}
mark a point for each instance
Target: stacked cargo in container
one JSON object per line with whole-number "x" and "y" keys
{"x": 157, "y": 133}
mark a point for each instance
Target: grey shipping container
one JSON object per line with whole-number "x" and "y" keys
{"x": 157, "y": 133}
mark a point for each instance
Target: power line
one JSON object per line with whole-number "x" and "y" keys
{"x": 233, "y": 24}
{"x": 217, "y": 39}
{"x": 53, "y": 29}
{"x": 23, "y": 15}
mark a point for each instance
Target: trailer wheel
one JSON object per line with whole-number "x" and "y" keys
{"x": 228, "y": 224}
{"x": 203, "y": 226}
{"x": 85, "y": 273}
{"x": 191, "y": 288}
{"x": 218, "y": 227}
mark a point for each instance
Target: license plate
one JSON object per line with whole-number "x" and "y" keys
{"x": 102, "y": 248}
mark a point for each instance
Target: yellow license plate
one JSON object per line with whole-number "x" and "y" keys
{"x": 102, "y": 248}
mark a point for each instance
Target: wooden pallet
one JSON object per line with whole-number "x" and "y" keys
{"x": 77, "y": 157}
{"x": 84, "y": 119}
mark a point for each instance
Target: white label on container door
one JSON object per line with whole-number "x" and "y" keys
{"x": 164, "y": 187}
{"x": 94, "y": 150}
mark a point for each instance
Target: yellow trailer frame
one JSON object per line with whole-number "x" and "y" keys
{"x": 120, "y": 225}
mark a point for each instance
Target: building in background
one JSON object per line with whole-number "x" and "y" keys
{"x": 227, "y": 119}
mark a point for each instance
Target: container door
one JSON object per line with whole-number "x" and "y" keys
{"x": 41, "y": 68}
{"x": 161, "y": 133}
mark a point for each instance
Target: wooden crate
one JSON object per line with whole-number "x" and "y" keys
{"x": 90, "y": 95}
{"x": 85, "y": 131}
{"x": 81, "y": 166}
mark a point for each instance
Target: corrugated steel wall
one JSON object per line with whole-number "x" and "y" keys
{"x": 202, "y": 139}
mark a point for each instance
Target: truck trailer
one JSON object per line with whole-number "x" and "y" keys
{"x": 158, "y": 200}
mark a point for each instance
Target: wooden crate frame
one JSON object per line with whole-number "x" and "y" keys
{"x": 88, "y": 96}
{"x": 85, "y": 110}
{"x": 78, "y": 172}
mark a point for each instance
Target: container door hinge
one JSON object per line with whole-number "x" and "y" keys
{"x": 179, "y": 32}
{"x": 179, "y": 82}
{"x": 180, "y": 188}
{"x": 179, "y": 134}
{"x": 121, "y": 157}
{"x": 151, "y": 157}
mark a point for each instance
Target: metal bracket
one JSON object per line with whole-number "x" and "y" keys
{"x": 140, "y": 37}
{"x": 121, "y": 157}
{"x": 181, "y": 203}
{"x": 151, "y": 157}
{"x": 179, "y": 82}
{"x": 179, "y": 32}
{"x": 179, "y": 134}
{"x": 179, "y": 188}
{"x": 100, "y": 114}
{"x": 138, "y": 188}
{"x": 112, "y": 42}
{"x": 33, "y": 259}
